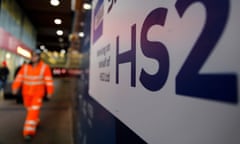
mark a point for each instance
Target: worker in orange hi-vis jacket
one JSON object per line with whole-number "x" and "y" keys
{"x": 35, "y": 78}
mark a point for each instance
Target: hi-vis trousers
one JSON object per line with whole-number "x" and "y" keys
{"x": 32, "y": 105}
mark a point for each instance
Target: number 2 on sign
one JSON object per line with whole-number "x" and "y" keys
{"x": 220, "y": 87}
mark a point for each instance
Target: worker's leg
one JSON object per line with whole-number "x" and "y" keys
{"x": 33, "y": 106}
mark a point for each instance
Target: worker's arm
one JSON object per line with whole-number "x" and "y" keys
{"x": 49, "y": 82}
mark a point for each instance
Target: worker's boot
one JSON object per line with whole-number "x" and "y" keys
{"x": 28, "y": 137}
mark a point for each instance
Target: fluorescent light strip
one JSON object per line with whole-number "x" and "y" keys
{"x": 23, "y": 52}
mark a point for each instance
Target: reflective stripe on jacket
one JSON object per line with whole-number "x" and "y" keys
{"x": 34, "y": 80}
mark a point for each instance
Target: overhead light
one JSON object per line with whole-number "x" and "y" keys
{"x": 81, "y": 34}
{"x": 23, "y": 52}
{"x": 87, "y": 6}
{"x": 63, "y": 51}
{"x": 59, "y": 32}
{"x": 8, "y": 55}
{"x": 42, "y": 47}
{"x": 55, "y": 2}
{"x": 58, "y": 21}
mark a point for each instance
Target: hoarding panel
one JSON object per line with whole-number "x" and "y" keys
{"x": 169, "y": 69}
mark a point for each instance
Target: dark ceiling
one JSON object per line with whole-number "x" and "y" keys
{"x": 42, "y": 16}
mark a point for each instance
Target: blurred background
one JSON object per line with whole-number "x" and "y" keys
{"x": 57, "y": 27}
